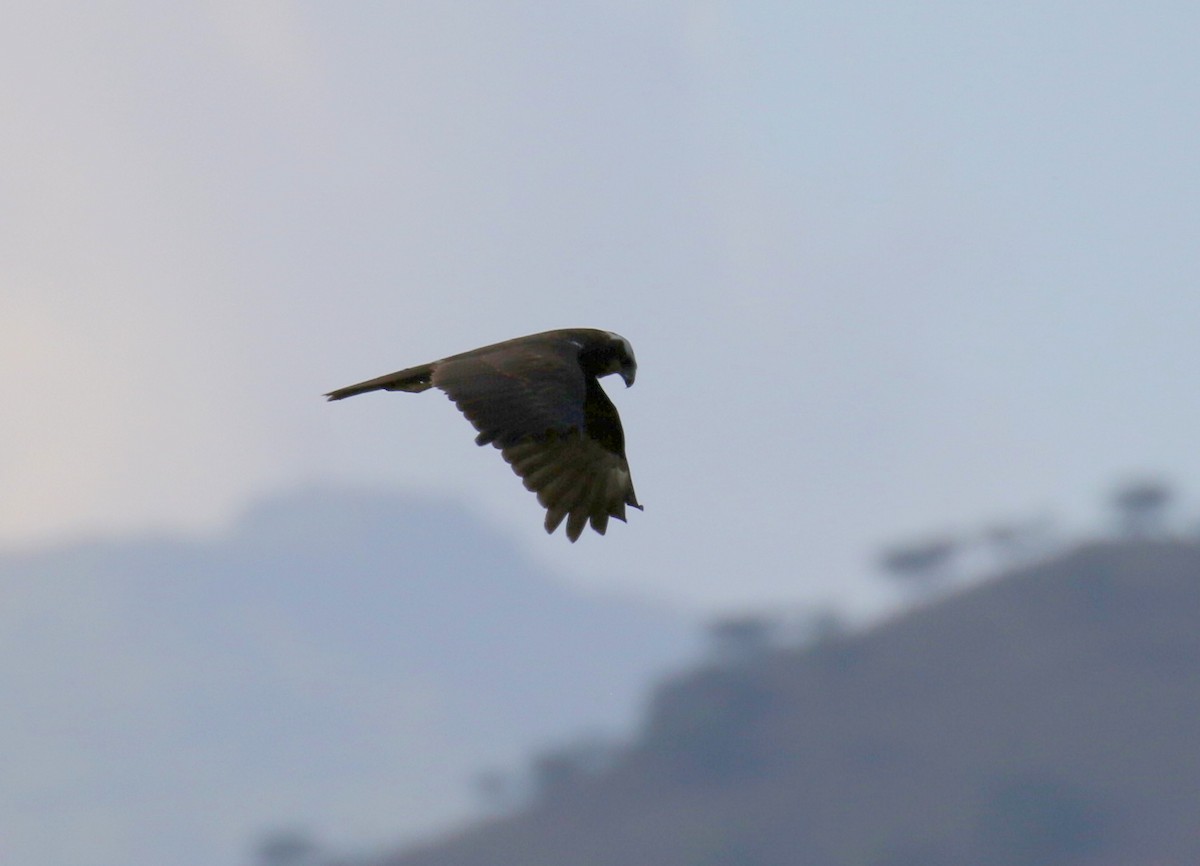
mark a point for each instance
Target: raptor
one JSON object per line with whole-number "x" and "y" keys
{"x": 539, "y": 400}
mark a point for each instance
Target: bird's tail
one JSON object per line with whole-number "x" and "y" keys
{"x": 413, "y": 379}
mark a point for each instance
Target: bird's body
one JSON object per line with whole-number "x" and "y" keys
{"x": 538, "y": 400}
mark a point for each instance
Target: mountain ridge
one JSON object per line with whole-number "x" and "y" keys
{"x": 1043, "y": 717}
{"x": 345, "y": 659}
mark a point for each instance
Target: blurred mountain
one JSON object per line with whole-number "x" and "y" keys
{"x": 1048, "y": 717}
{"x": 347, "y": 661}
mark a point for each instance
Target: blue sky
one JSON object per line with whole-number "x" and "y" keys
{"x": 889, "y": 268}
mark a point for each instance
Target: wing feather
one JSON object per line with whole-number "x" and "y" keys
{"x": 575, "y": 479}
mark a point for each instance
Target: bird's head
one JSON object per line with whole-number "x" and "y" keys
{"x": 623, "y": 360}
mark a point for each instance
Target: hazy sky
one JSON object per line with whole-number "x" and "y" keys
{"x": 889, "y": 268}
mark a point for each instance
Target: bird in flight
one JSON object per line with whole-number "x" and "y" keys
{"x": 539, "y": 400}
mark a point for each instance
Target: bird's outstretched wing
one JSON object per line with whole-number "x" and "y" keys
{"x": 559, "y": 432}
{"x": 516, "y": 391}
{"x": 575, "y": 478}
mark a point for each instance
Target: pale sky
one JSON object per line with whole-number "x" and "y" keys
{"x": 889, "y": 269}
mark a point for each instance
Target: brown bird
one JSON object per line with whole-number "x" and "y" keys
{"x": 538, "y": 400}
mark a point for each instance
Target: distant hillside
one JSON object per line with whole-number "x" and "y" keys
{"x": 1048, "y": 717}
{"x": 342, "y": 661}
